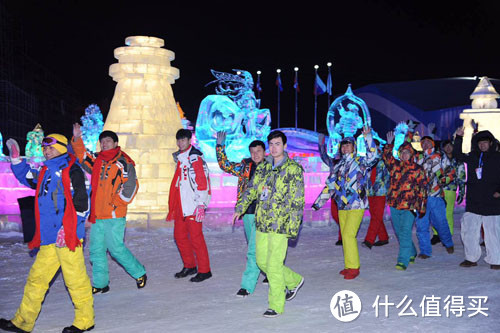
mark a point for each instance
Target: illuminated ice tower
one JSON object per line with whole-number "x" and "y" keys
{"x": 484, "y": 114}
{"x": 144, "y": 114}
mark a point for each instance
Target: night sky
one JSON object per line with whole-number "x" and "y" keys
{"x": 367, "y": 41}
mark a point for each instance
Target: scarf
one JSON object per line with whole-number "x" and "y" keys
{"x": 69, "y": 217}
{"x": 107, "y": 156}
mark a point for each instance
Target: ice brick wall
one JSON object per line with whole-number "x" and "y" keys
{"x": 144, "y": 114}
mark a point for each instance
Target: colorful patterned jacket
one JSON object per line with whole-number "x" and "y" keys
{"x": 325, "y": 193}
{"x": 382, "y": 181}
{"x": 349, "y": 178}
{"x": 408, "y": 181}
{"x": 279, "y": 192}
{"x": 243, "y": 170}
{"x": 437, "y": 178}
{"x": 459, "y": 172}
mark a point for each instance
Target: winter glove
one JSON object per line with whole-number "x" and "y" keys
{"x": 13, "y": 148}
{"x": 60, "y": 242}
{"x": 460, "y": 198}
{"x": 221, "y": 138}
{"x": 199, "y": 213}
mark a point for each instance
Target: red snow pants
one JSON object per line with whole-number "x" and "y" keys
{"x": 188, "y": 235}
{"x": 335, "y": 215}
{"x": 377, "y": 226}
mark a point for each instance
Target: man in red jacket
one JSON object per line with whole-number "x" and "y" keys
{"x": 188, "y": 198}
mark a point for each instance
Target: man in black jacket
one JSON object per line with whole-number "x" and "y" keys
{"x": 482, "y": 207}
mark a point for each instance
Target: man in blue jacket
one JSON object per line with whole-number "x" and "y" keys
{"x": 59, "y": 232}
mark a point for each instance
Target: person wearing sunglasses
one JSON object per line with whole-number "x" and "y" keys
{"x": 114, "y": 185}
{"x": 61, "y": 202}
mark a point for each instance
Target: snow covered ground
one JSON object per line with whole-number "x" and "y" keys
{"x": 168, "y": 304}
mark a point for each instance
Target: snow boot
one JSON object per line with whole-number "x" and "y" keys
{"x": 242, "y": 293}
{"x": 74, "y": 329}
{"x": 7, "y": 325}
{"x": 351, "y": 273}
{"x": 400, "y": 267}
{"x": 450, "y": 249}
{"x": 290, "y": 294}
{"x": 100, "y": 290}
{"x": 495, "y": 266}
{"x": 270, "y": 313}
{"x": 185, "y": 272}
{"x": 367, "y": 244}
{"x": 381, "y": 243}
{"x": 141, "y": 282}
{"x": 339, "y": 242}
{"x": 265, "y": 281}
{"x": 467, "y": 263}
{"x": 423, "y": 256}
{"x": 201, "y": 277}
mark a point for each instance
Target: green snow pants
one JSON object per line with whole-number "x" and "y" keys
{"x": 252, "y": 271}
{"x": 107, "y": 235}
{"x": 271, "y": 252}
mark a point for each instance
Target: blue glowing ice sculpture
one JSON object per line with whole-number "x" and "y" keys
{"x": 234, "y": 110}
{"x": 399, "y": 137}
{"x": 34, "y": 140}
{"x": 353, "y": 114}
{"x": 92, "y": 126}
{"x": 1, "y": 146}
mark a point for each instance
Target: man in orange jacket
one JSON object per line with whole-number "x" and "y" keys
{"x": 114, "y": 186}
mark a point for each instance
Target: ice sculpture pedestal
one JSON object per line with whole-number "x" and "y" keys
{"x": 487, "y": 119}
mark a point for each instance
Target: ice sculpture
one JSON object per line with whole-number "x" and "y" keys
{"x": 234, "y": 110}
{"x": 349, "y": 107}
{"x": 484, "y": 115}
{"x": 1, "y": 145}
{"x": 34, "y": 145}
{"x": 144, "y": 114}
{"x": 92, "y": 126}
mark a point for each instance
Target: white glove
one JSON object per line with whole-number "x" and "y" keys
{"x": 14, "y": 151}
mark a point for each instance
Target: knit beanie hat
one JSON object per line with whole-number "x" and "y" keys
{"x": 58, "y": 141}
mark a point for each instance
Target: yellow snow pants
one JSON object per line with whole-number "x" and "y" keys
{"x": 46, "y": 265}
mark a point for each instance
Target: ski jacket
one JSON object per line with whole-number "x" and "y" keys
{"x": 458, "y": 168}
{"x": 325, "y": 193}
{"x": 117, "y": 184}
{"x": 349, "y": 178}
{"x": 243, "y": 170}
{"x": 279, "y": 192}
{"x": 51, "y": 199}
{"x": 479, "y": 196}
{"x": 437, "y": 178}
{"x": 408, "y": 181}
{"x": 378, "y": 180}
{"x": 191, "y": 183}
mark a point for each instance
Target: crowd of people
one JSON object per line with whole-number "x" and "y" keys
{"x": 420, "y": 187}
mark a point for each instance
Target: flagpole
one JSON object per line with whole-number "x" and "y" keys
{"x": 315, "y": 97}
{"x": 258, "y": 84}
{"x": 296, "y": 69}
{"x": 329, "y": 81}
{"x": 278, "y": 89}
